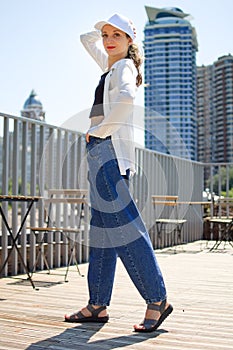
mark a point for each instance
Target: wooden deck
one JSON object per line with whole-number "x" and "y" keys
{"x": 200, "y": 287}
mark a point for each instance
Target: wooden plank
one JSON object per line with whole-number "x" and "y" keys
{"x": 165, "y": 203}
{"x": 66, "y": 200}
{"x": 69, "y": 191}
{"x": 54, "y": 229}
{"x": 18, "y": 198}
{"x": 164, "y": 197}
{"x": 195, "y": 203}
{"x": 199, "y": 284}
{"x": 221, "y": 221}
{"x": 171, "y": 221}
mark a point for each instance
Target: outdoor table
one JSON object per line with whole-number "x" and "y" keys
{"x": 226, "y": 231}
{"x": 15, "y": 235}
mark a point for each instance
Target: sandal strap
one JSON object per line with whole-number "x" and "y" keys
{"x": 153, "y": 307}
{"x": 157, "y": 307}
{"x": 76, "y": 315}
{"x": 95, "y": 312}
{"x": 148, "y": 323}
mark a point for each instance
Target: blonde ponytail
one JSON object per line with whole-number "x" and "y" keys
{"x": 133, "y": 54}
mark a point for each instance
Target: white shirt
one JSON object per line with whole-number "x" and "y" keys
{"x": 119, "y": 94}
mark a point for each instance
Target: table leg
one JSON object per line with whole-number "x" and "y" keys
{"x": 159, "y": 231}
{"x": 14, "y": 240}
{"x": 224, "y": 237}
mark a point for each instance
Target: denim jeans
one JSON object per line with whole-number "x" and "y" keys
{"x": 117, "y": 230}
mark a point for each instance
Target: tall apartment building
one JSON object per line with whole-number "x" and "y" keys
{"x": 205, "y": 113}
{"x": 170, "y": 46}
{"x": 215, "y": 111}
{"x": 223, "y": 105}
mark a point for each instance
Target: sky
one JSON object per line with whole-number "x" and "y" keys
{"x": 40, "y": 48}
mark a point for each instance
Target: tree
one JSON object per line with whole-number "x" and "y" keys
{"x": 221, "y": 178}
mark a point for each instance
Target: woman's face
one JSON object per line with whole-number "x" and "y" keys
{"x": 115, "y": 41}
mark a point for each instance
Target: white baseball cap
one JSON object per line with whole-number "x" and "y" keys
{"x": 120, "y": 22}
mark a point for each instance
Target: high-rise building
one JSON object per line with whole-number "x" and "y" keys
{"x": 223, "y": 105}
{"x": 215, "y": 111}
{"x": 205, "y": 114}
{"x": 170, "y": 46}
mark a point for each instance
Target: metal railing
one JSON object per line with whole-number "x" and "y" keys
{"x": 160, "y": 174}
{"x": 35, "y": 157}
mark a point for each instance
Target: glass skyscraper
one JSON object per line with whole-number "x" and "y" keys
{"x": 170, "y": 46}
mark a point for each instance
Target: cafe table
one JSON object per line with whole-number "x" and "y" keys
{"x": 225, "y": 230}
{"x": 15, "y": 235}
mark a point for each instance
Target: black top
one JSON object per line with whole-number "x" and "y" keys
{"x": 97, "y": 108}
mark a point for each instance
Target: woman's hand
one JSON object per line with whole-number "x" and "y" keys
{"x": 87, "y": 137}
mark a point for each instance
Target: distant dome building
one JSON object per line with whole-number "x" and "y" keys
{"x": 33, "y": 108}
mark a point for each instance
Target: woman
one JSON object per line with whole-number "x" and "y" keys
{"x": 116, "y": 227}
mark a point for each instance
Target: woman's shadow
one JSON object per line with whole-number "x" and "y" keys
{"x": 79, "y": 337}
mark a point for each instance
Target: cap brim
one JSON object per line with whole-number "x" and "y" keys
{"x": 99, "y": 25}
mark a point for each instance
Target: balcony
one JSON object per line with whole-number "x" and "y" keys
{"x": 35, "y": 157}
{"x": 196, "y": 280}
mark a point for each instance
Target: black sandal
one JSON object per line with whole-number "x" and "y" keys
{"x": 151, "y": 325}
{"x": 79, "y": 317}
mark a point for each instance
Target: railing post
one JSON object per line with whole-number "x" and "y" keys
{"x": 61, "y": 144}
{"x": 15, "y": 187}
{"x": 33, "y": 179}
{"x": 41, "y": 184}
{"x": 51, "y": 161}
{"x": 24, "y": 187}
{"x": 5, "y": 184}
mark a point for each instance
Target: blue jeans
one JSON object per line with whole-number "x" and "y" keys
{"x": 117, "y": 230}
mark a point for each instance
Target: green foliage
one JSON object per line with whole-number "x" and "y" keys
{"x": 230, "y": 194}
{"x": 10, "y": 187}
{"x": 223, "y": 176}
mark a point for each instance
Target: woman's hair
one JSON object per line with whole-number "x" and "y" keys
{"x": 134, "y": 54}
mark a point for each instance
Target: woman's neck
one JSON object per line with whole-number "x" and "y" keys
{"x": 112, "y": 60}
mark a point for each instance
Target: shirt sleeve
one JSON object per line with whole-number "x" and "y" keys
{"x": 92, "y": 42}
{"x": 122, "y": 106}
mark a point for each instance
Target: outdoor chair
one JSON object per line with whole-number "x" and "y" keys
{"x": 167, "y": 220}
{"x": 64, "y": 213}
